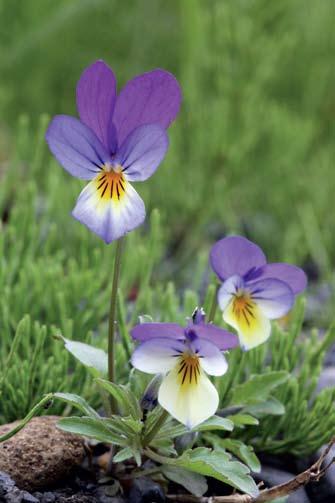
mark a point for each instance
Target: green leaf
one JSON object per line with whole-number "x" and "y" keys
{"x": 171, "y": 430}
{"x": 127, "y": 453}
{"x": 89, "y": 427}
{"x": 91, "y": 357}
{"x": 194, "y": 482}
{"x": 215, "y": 423}
{"x": 125, "y": 425}
{"x": 271, "y": 407}
{"x": 78, "y": 402}
{"x": 242, "y": 451}
{"x": 122, "y": 455}
{"x": 257, "y": 388}
{"x": 242, "y": 420}
{"x": 125, "y": 398}
{"x": 217, "y": 464}
{"x": 164, "y": 446}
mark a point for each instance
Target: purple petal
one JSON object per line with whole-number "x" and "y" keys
{"x": 142, "y": 152}
{"x": 274, "y": 297}
{"x": 109, "y": 219}
{"x": 218, "y": 336}
{"x": 146, "y": 331}
{"x": 151, "y": 98}
{"x": 235, "y": 255}
{"x": 198, "y": 316}
{"x": 290, "y": 274}
{"x": 75, "y": 147}
{"x": 96, "y": 95}
{"x": 157, "y": 356}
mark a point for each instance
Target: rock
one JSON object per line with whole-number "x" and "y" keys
{"x": 272, "y": 477}
{"x": 9, "y": 493}
{"x": 40, "y": 454}
{"x": 146, "y": 491}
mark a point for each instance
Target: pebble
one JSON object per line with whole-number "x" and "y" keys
{"x": 144, "y": 490}
{"x": 9, "y": 493}
{"x": 40, "y": 454}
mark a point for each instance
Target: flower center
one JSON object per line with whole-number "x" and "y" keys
{"x": 243, "y": 307}
{"x": 110, "y": 184}
{"x": 188, "y": 369}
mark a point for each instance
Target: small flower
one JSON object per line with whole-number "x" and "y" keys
{"x": 118, "y": 140}
{"x": 185, "y": 356}
{"x": 253, "y": 292}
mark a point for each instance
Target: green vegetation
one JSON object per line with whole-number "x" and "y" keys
{"x": 252, "y": 152}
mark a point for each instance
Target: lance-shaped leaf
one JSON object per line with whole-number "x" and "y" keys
{"x": 125, "y": 398}
{"x": 92, "y": 428}
{"x": 257, "y": 388}
{"x": 272, "y": 406}
{"x": 215, "y": 423}
{"x": 194, "y": 482}
{"x": 78, "y": 402}
{"x": 241, "y": 420}
{"x": 94, "y": 358}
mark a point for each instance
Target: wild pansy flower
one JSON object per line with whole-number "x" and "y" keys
{"x": 119, "y": 139}
{"x": 253, "y": 292}
{"x": 185, "y": 356}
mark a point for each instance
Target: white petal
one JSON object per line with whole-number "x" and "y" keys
{"x": 157, "y": 355}
{"x": 253, "y": 329}
{"x": 109, "y": 218}
{"x": 229, "y": 288}
{"x": 191, "y": 404}
{"x": 210, "y": 357}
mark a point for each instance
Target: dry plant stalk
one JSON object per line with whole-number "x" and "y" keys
{"x": 312, "y": 474}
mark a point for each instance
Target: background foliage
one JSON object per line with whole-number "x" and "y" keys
{"x": 251, "y": 152}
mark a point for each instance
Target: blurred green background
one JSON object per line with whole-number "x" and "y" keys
{"x": 253, "y": 148}
{"x": 252, "y": 151}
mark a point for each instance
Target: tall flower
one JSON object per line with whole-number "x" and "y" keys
{"x": 253, "y": 292}
{"x": 118, "y": 140}
{"x": 185, "y": 356}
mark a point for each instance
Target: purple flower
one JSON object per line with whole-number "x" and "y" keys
{"x": 118, "y": 140}
{"x": 185, "y": 356}
{"x": 253, "y": 292}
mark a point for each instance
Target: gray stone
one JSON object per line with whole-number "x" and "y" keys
{"x": 9, "y": 493}
{"x": 144, "y": 490}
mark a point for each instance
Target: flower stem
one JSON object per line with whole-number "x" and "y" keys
{"x": 212, "y": 310}
{"x": 112, "y": 311}
{"x": 156, "y": 427}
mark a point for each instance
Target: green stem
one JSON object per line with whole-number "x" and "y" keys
{"x": 34, "y": 411}
{"x": 112, "y": 311}
{"x": 144, "y": 473}
{"x": 156, "y": 427}
{"x": 214, "y": 305}
{"x": 157, "y": 457}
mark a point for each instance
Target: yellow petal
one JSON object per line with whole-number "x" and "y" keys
{"x": 189, "y": 399}
{"x": 247, "y": 318}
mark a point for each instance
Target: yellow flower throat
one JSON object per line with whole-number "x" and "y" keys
{"x": 243, "y": 307}
{"x": 188, "y": 369}
{"x": 111, "y": 185}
